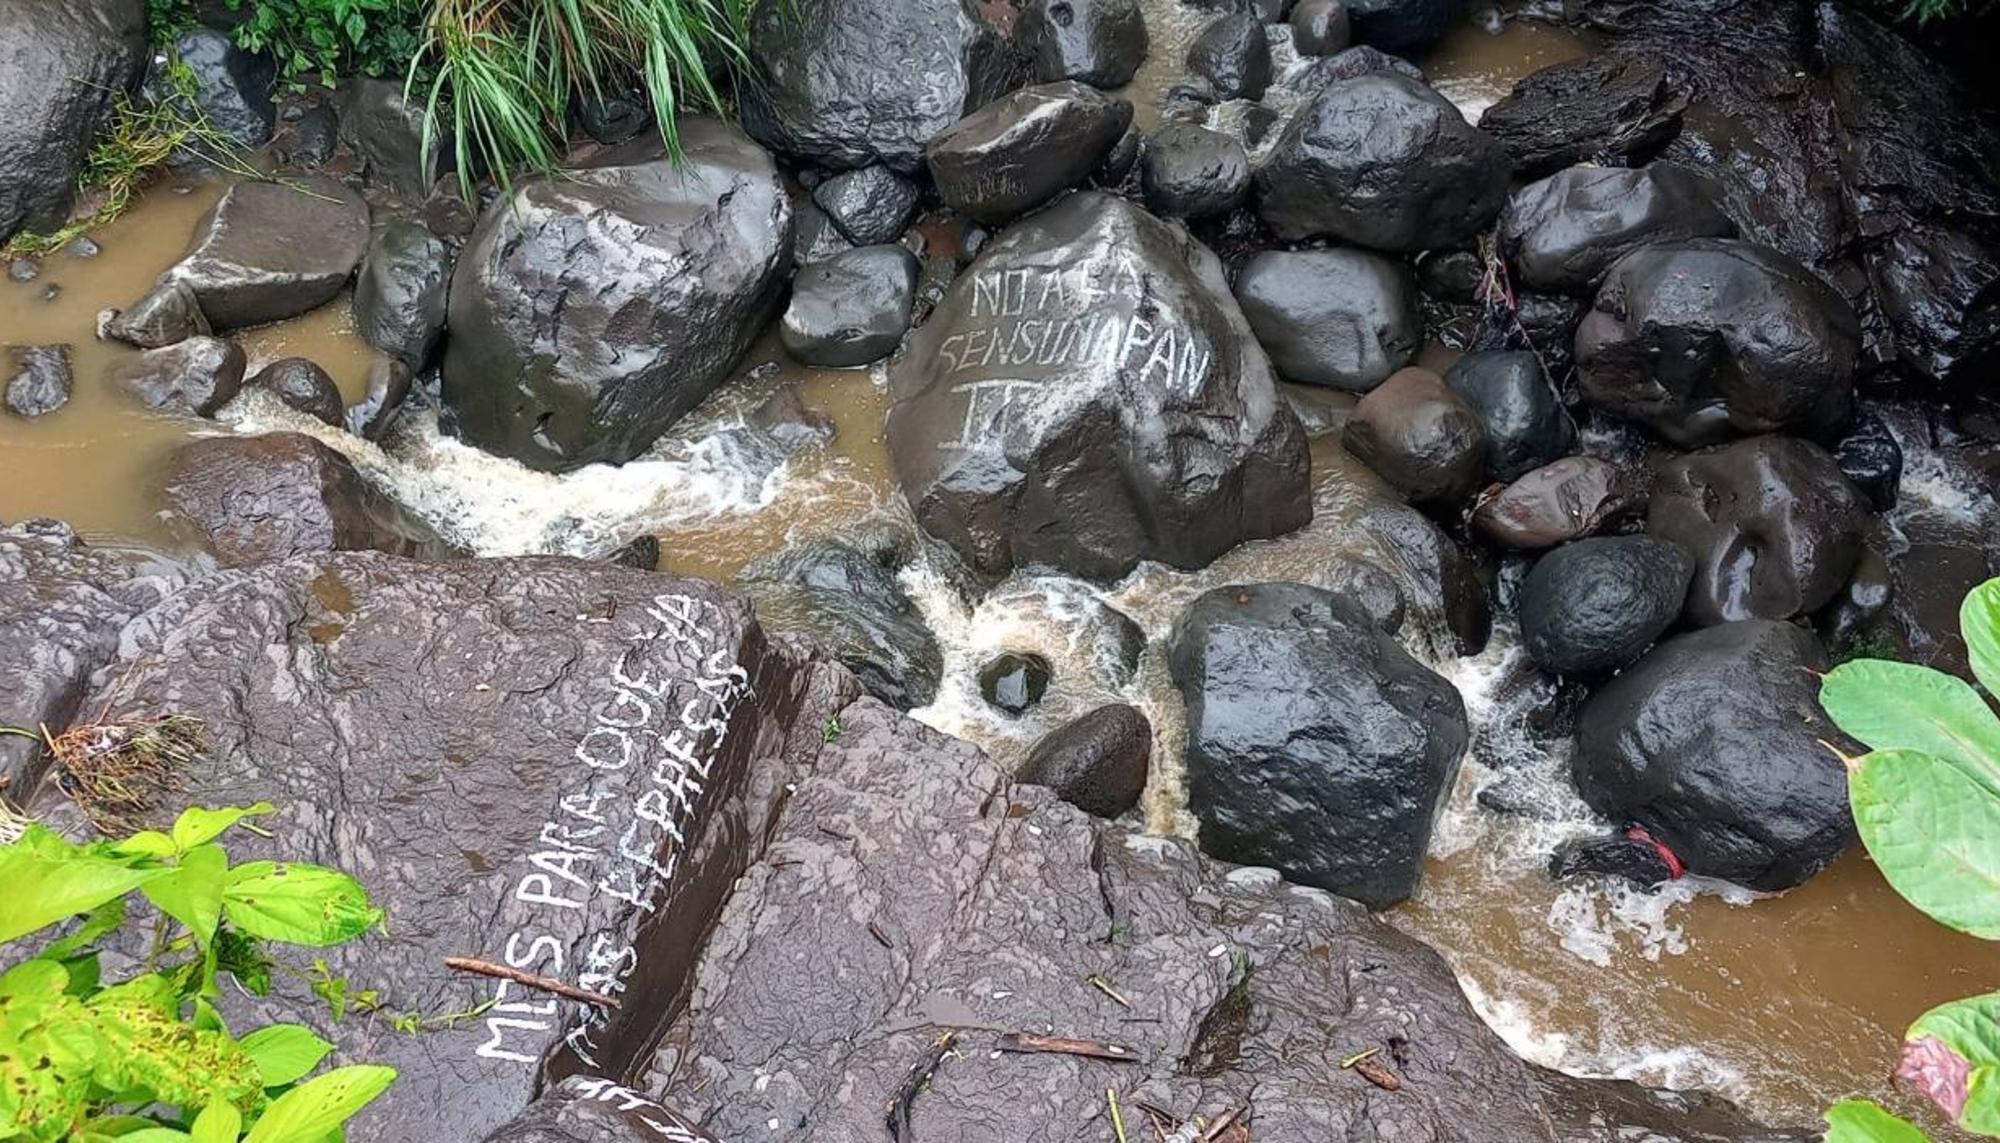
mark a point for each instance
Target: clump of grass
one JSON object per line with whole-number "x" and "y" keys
{"x": 1925, "y": 11}
{"x": 115, "y": 771}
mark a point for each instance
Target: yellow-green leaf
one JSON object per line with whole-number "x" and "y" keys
{"x": 1863, "y": 1121}
{"x": 284, "y": 1053}
{"x": 1900, "y": 706}
{"x": 297, "y": 904}
{"x": 219, "y": 1122}
{"x": 320, "y": 1105}
{"x": 44, "y": 889}
{"x": 192, "y": 892}
{"x": 1934, "y": 832}
{"x": 1979, "y": 623}
{"x": 199, "y": 826}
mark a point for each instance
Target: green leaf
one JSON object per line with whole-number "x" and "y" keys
{"x": 147, "y": 843}
{"x": 1934, "y": 833}
{"x": 198, "y": 826}
{"x": 1979, "y": 622}
{"x": 42, "y": 889}
{"x": 192, "y": 892}
{"x": 297, "y": 904}
{"x": 154, "y": 1135}
{"x": 1864, "y": 1121}
{"x": 320, "y": 1105}
{"x": 99, "y": 921}
{"x": 219, "y": 1122}
{"x": 1899, "y": 706}
{"x": 284, "y": 1053}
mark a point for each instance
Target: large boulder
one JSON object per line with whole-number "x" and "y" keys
{"x": 267, "y": 251}
{"x": 258, "y": 499}
{"x": 1707, "y": 339}
{"x": 557, "y": 766}
{"x": 850, "y": 83}
{"x": 591, "y": 311}
{"x": 1098, "y": 42}
{"x": 1381, "y": 160}
{"x": 1563, "y": 232}
{"x": 851, "y": 309}
{"x": 1342, "y": 318}
{"x": 1715, "y": 743}
{"x": 1597, "y": 604}
{"x": 1088, "y": 395}
{"x": 1774, "y": 527}
{"x": 1316, "y": 744}
{"x": 1614, "y": 109}
{"x": 1023, "y": 149}
{"x": 62, "y": 66}
{"x": 399, "y": 295}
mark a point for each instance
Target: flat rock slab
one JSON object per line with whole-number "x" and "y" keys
{"x": 271, "y": 250}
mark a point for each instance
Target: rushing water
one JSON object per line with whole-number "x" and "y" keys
{"x": 1783, "y": 1002}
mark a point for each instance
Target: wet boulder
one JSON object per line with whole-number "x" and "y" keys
{"x": 1383, "y": 161}
{"x": 1562, "y": 233}
{"x": 1575, "y": 497}
{"x": 231, "y": 87}
{"x": 1014, "y": 681}
{"x": 1316, "y": 744}
{"x": 386, "y": 133}
{"x": 1707, "y": 339}
{"x": 1234, "y": 55}
{"x": 590, "y": 312}
{"x": 1098, "y": 42}
{"x": 1192, "y": 172}
{"x": 1526, "y": 425}
{"x": 268, "y": 251}
{"x": 257, "y": 499}
{"x": 847, "y": 599}
{"x": 1420, "y": 437}
{"x": 1321, "y": 27}
{"x": 1600, "y": 108}
{"x": 1088, "y": 395}
{"x": 198, "y": 375}
{"x": 1595, "y": 605}
{"x": 302, "y": 385}
{"x": 814, "y": 236}
{"x": 1023, "y": 149}
{"x": 38, "y": 379}
{"x": 399, "y": 295}
{"x": 389, "y": 384}
{"x": 1774, "y": 527}
{"x": 395, "y": 712}
{"x": 167, "y": 314}
{"x": 852, "y": 308}
{"x": 590, "y": 1109}
{"x": 1716, "y": 744}
{"x": 1871, "y": 460}
{"x": 1403, "y": 26}
{"x": 852, "y": 83}
{"x": 1097, "y": 762}
{"x": 1632, "y": 859}
{"x": 1347, "y": 319}
{"x": 870, "y": 206}
{"x": 62, "y": 67}
{"x": 1442, "y": 583}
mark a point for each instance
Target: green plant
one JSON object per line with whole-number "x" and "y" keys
{"x": 1926, "y": 801}
{"x": 148, "y": 1058}
{"x": 1925, "y": 11}
{"x": 325, "y": 39}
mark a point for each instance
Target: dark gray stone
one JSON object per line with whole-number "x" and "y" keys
{"x": 1420, "y": 437}
{"x": 590, "y": 1109}
{"x": 302, "y": 385}
{"x": 1234, "y": 55}
{"x": 38, "y": 379}
{"x": 847, "y": 599}
{"x": 198, "y": 375}
{"x": 814, "y": 236}
{"x": 1575, "y": 497}
{"x": 62, "y": 67}
{"x": 1321, "y": 27}
{"x": 1871, "y": 460}
{"x": 1563, "y": 233}
{"x": 399, "y": 295}
{"x": 1526, "y": 426}
{"x": 1023, "y": 149}
{"x": 1097, "y": 762}
{"x": 851, "y": 309}
{"x": 315, "y": 133}
{"x": 1403, "y": 26}
{"x": 389, "y": 385}
{"x": 1599, "y": 108}
{"x": 268, "y": 251}
{"x": 1595, "y": 605}
{"x": 1192, "y": 172}
{"x": 387, "y": 134}
{"x": 1014, "y": 681}
{"x": 167, "y": 314}
{"x": 870, "y": 206}
{"x": 1341, "y": 318}
{"x": 1098, "y": 42}
{"x": 231, "y": 87}
{"x": 613, "y": 116}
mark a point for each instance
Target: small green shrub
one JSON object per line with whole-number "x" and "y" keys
{"x": 1926, "y": 801}
{"x": 324, "y": 40}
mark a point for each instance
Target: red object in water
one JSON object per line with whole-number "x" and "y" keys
{"x": 1674, "y": 866}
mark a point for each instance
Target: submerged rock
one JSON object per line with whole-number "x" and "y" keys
{"x": 198, "y": 375}
{"x": 1597, "y": 604}
{"x": 1023, "y": 149}
{"x": 399, "y": 296}
{"x": 1097, "y": 763}
{"x": 590, "y": 312}
{"x": 62, "y": 67}
{"x": 1088, "y": 395}
{"x": 302, "y": 385}
{"x": 1563, "y": 233}
{"x": 268, "y": 251}
{"x": 852, "y": 308}
{"x": 1098, "y": 42}
{"x": 1343, "y": 318}
{"x": 1316, "y": 745}
{"x": 1420, "y": 437}
{"x": 1014, "y": 681}
{"x": 38, "y": 379}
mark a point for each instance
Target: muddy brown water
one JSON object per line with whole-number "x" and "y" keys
{"x": 1784, "y": 1003}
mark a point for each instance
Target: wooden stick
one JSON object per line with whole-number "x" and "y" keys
{"x": 1063, "y": 1046}
{"x": 918, "y": 1078}
{"x": 1221, "y": 1124}
{"x": 530, "y": 980}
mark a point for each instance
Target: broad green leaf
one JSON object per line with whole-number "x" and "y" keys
{"x": 34, "y": 978}
{"x": 297, "y": 904}
{"x": 320, "y": 1105}
{"x": 101, "y": 920}
{"x": 1899, "y": 706}
{"x": 219, "y": 1122}
{"x": 1934, "y": 833}
{"x": 284, "y": 1053}
{"x": 1952, "y": 1056}
{"x": 1979, "y": 622}
{"x": 42, "y": 889}
{"x": 154, "y": 1135}
{"x": 1864, "y": 1121}
{"x": 199, "y": 826}
{"x": 192, "y": 892}
{"x": 147, "y": 843}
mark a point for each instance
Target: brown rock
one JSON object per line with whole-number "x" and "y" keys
{"x": 1420, "y": 437}
{"x": 1575, "y": 497}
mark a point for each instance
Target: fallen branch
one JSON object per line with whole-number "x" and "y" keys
{"x": 1063, "y": 1046}
{"x": 530, "y": 980}
{"x": 914, "y": 1083}
{"x": 1221, "y": 1124}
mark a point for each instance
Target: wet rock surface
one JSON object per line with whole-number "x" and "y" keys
{"x": 1575, "y": 497}
{"x": 1088, "y": 395}
{"x": 1234, "y": 55}
{"x": 846, "y": 597}
{"x": 1403, "y": 26}
{"x": 1597, "y": 604}
{"x": 1098, "y": 42}
{"x": 231, "y": 88}
{"x": 198, "y": 375}
{"x": 852, "y": 308}
{"x": 1610, "y": 109}
{"x": 167, "y": 314}
{"x": 1192, "y": 172}
{"x": 590, "y": 1109}
{"x": 38, "y": 379}
{"x": 870, "y": 206}
{"x": 268, "y": 251}
{"x": 1316, "y": 744}
{"x": 1014, "y": 681}
{"x": 386, "y": 133}
{"x": 399, "y": 294}
{"x": 591, "y": 312}
{"x": 1321, "y": 27}
{"x": 389, "y": 385}
{"x": 1023, "y": 149}
{"x": 1526, "y": 425}
{"x": 1564, "y": 232}
{"x": 1097, "y": 763}
{"x": 301, "y": 385}
{"x": 1714, "y": 742}
{"x": 1420, "y": 437}
{"x": 62, "y": 67}
{"x": 1342, "y": 318}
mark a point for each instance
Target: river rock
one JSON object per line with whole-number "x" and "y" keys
{"x": 302, "y": 385}
{"x": 870, "y": 206}
{"x": 1234, "y": 55}
{"x": 1403, "y": 26}
{"x": 1706, "y": 339}
{"x": 1871, "y": 460}
{"x": 1014, "y": 681}
{"x": 231, "y": 87}
{"x": 167, "y": 314}
{"x": 389, "y": 384}
{"x": 847, "y": 599}
{"x": 1774, "y": 527}
{"x": 851, "y": 83}
{"x": 1575, "y": 497}
{"x": 258, "y": 499}
{"x": 315, "y": 132}
{"x": 1597, "y": 108}
{"x": 1526, "y": 426}
{"x": 399, "y": 295}
{"x": 1382, "y": 161}
{"x": 1192, "y": 172}
{"x": 1563, "y": 232}
{"x": 268, "y": 251}
{"x": 1715, "y": 743}
{"x": 198, "y": 375}
{"x": 1596, "y": 605}
{"x": 814, "y": 236}
{"x": 386, "y": 132}
{"x": 852, "y": 308}
{"x": 62, "y": 67}
{"x": 1097, "y": 762}
{"x": 1098, "y": 42}
{"x": 1088, "y": 395}
{"x": 1420, "y": 437}
{"x": 592, "y": 311}
{"x": 1316, "y": 744}
{"x": 1023, "y": 149}
{"x": 38, "y": 379}
{"x": 395, "y": 712}
{"x": 1341, "y": 318}
{"x": 1321, "y": 27}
